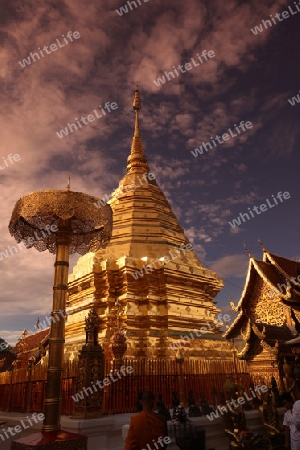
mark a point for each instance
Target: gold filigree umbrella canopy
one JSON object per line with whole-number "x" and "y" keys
{"x": 63, "y": 222}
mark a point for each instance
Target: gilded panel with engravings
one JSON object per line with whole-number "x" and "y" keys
{"x": 254, "y": 290}
{"x": 269, "y": 308}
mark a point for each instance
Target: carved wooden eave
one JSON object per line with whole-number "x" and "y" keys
{"x": 234, "y": 329}
{"x": 286, "y": 267}
{"x": 260, "y": 334}
{"x": 272, "y": 350}
{"x": 267, "y": 272}
{"x": 254, "y": 337}
{"x": 243, "y": 353}
{"x": 247, "y": 334}
{"x": 233, "y": 307}
{"x": 245, "y": 290}
{"x": 265, "y": 313}
{"x": 250, "y": 338}
{"x": 254, "y": 265}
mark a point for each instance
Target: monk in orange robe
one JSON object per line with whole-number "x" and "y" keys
{"x": 147, "y": 428}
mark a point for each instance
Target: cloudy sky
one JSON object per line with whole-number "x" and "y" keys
{"x": 250, "y": 79}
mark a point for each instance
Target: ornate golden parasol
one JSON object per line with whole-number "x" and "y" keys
{"x": 63, "y": 222}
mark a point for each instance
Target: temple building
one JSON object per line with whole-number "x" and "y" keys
{"x": 268, "y": 316}
{"x": 147, "y": 300}
{"x": 148, "y": 282}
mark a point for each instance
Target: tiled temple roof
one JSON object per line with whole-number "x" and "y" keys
{"x": 275, "y": 273}
{"x": 30, "y": 346}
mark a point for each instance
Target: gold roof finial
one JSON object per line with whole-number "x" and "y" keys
{"x": 261, "y": 244}
{"x": 69, "y": 184}
{"x": 136, "y": 106}
{"x": 247, "y": 250}
{"x": 136, "y": 101}
{"x": 136, "y": 161}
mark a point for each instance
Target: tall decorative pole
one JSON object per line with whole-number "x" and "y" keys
{"x": 179, "y": 359}
{"x": 64, "y": 222}
{"x": 30, "y": 365}
{"x": 118, "y": 345}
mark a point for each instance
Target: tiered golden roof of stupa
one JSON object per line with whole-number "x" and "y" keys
{"x": 150, "y": 268}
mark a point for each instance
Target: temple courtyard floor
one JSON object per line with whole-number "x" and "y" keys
{"x": 105, "y": 433}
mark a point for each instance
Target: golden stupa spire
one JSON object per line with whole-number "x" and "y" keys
{"x": 137, "y": 161}
{"x": 68, "y": 185}
{"x": 136, "y": 106}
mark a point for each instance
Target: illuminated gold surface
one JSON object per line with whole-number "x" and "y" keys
{"x": 90, "y": 226}
{"x": 157, "y": 308}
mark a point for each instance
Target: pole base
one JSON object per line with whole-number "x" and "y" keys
{"x": 51, "y": 440}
